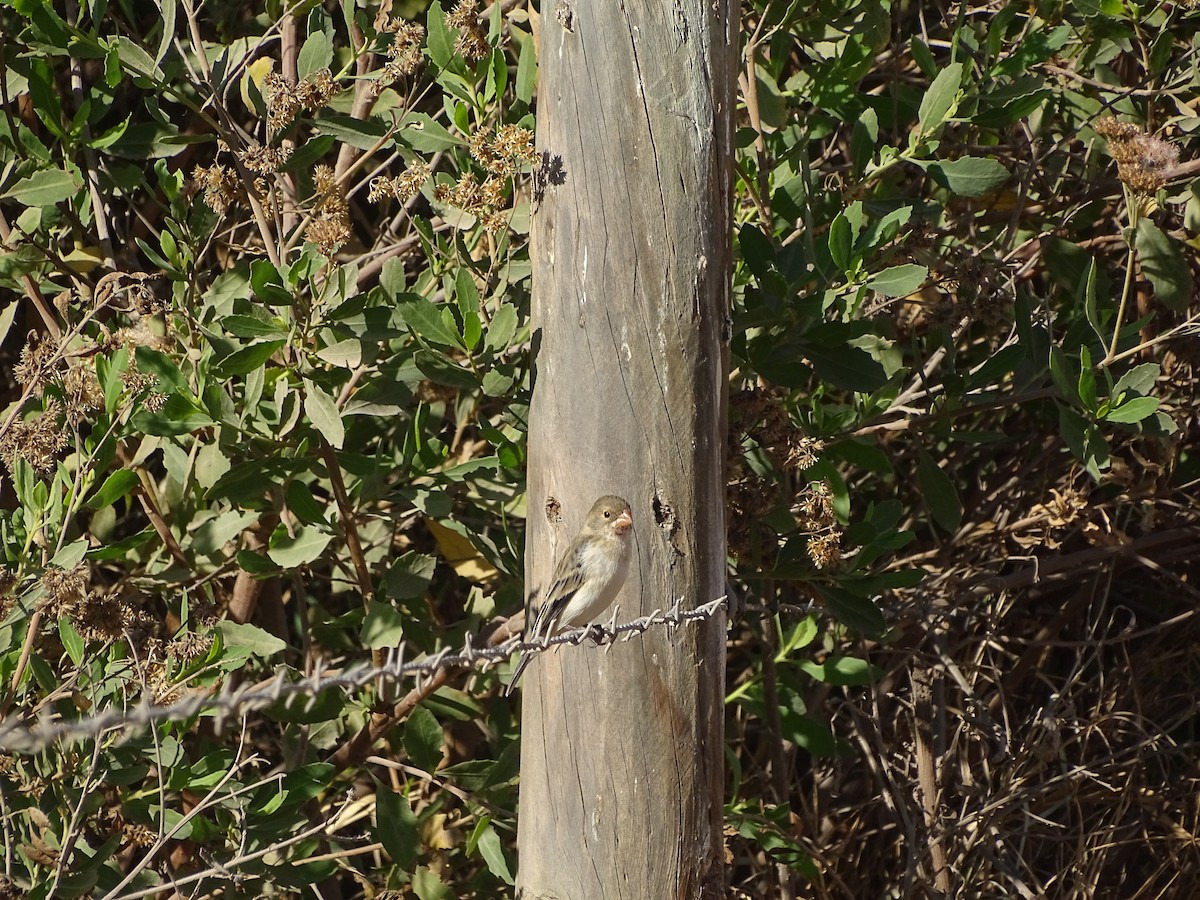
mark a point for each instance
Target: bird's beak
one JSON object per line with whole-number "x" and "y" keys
{"x": 624, "y": 522}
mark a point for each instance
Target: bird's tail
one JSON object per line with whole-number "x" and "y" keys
{"x": 512, "y": 685}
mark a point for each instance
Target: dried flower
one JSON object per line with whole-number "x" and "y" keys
{"x": 282, "y": 102}
{"x": 463, "y": 15}
{"x": 82, "y": 392}
{"x": 64, "y": 590}
{"x": 284, "y": 99}
{"x": 403, "y": 187}
{"x": 472, "y": 45}
{"x": 102, "y": 617}
{"x": 404, "y": 53}
{"x": 1144, "y": 162}
{"x": 765, "y": 418}
{"x": 516, "y": 142}
{"x": 265, "y": 160}
{"x": 191, "y": 647}
{"x": 37, "y": 358}
{"x": 496, "y": 221}
{"x": 134, "y": 381}
{"x": 38, "y": 441}
{"x": 315, "y": 91}
{"x": 802, "y": 451}
{"x": 815, "y": 510}
{"x": 330, "y": 227}
{"x": 139, "y": 835}
{"x": 220, "y": 186}
{"x": 464, "y": 193}
{"x": 140, "y": 335}
{"x": 162, "y": 691}
{"x": 825, "y": 549}
{"x": 472, "y": 41}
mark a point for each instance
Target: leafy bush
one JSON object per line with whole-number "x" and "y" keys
{"x": 270, "y": 373}
{"x": 987, "y": 327}
{"x": 285, "y": 432}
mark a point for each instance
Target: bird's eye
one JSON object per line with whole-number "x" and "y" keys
{"x": 607, "y": 514}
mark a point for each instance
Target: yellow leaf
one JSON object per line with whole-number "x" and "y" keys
{"x": 461, "y": 553}
{"x": 82, "y": 260}
{"x": 257, "y": 72}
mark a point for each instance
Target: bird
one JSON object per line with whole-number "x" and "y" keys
{"x": 587, "y": 579}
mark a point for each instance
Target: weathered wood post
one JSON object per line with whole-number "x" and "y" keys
{"x": 621, "y": 760}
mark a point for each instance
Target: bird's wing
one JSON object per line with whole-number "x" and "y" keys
{"x": 568, "y": 579}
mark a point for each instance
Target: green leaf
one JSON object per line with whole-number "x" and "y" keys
{"x": 1061, "y": 373}
{"x": 429, "y": 321}
{"x": 423, "y": 134}
{"x": 940, "y": 100}
{"x": 70, "y": 555}
{"x": 899, "y": 281}
{"x": 316, "y": 54}
{"x": 1139, "y": 379}
{"x": 396, "y": 827}
{"x": 7, "y": 315}
{"x": 288, "y": 551}
{"x": 1164, "y": 264}
{"x": 1085, "y": 441}
{"x": 409, "y": 576}
{"x": 922, "y": 56}
{"x": 361, "y": 133}
{"x": 116, "y": 486}
{"x": 383, "y": 626}
{"x": 428, "y": 886}
{"x": 845, "y": 366}
{"x": 863, "y": 139}
{"x": 245, "y": 640}
{"x": 71, "y": 641}
{"x": 323, "y": 413}
{"x": 440, "y": 44}
{"x": 345, "y": 354}
{"x": 268, "y": 284}
{"x": 969, "y": 176}
{"x": 841, "y": 241}
{"x": 252, "y": 326}
{"x": 840, "y": 670}
{"x": 526, "y": 71}
{"x": 810, "y": 735}
{"x": 247, "y": 359}
{"x": 210, "y": 538}
{"x": 309, "y": 709}
{"x": 118, "y": 549}
{"x": 302, "y": 503}
{"x": 1087, "y": 294}
{"x": 169, "y": 11}
{"x": 803, "y": 634}
{"x": 211, "y": 464}
{"x": 44, "y": 188}
{"x": 939, "y": 493}
{"x": 255, "y": 563}
{"x": 1134, "y": 411}
{"x": 853, "y": 610}
{"x": 488, "y": 842}
{"x": 136, "y": 61}
{"x": 423, "y": 739}
{"x": 502, "y": 328}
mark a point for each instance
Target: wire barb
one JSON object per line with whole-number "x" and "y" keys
{"x": 232, "y": 701}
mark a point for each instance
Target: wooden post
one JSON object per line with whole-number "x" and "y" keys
{"x": 621, "y": 757}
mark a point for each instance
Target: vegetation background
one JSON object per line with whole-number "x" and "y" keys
{"x": 265, "y": 288}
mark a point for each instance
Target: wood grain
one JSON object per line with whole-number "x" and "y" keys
{"x": 622, "y": 765}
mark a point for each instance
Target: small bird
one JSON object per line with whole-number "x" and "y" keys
{"x": 588, "y": 576}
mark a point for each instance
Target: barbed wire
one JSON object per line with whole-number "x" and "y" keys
{"x": 234, "y": 700}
